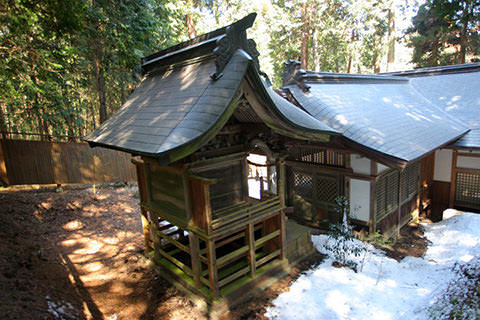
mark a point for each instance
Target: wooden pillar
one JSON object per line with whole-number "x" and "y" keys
{"x": 283, "y": 235}
{"x": 399, "y": 210}
{"x": 281, "y": 180}
{"x": 212, "y": 268}
{"x": 245, "y": 174}
{"x": 251, "y": 250}
{"x": 143, "y": 193}
{"x": 281, "y": 193}
{"x": 453, "y": 179}
{"x": 419, "y": 191}
{"x": 194, "y": 255}
{"x": 373, "y": 207}
{"x": 261, "y": 189}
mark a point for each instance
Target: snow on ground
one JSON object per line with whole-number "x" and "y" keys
{"x": 383, "y": 288}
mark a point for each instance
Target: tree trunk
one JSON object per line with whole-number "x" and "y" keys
{"x": 376, "y": 58}
{"x": 305, "y": 36}
{"x": 192, "y": 33}
{"x": 350, "y": 56}
{"x": 391, "y": 39}
{"x": 69, "y": 118}
{"x": 315, "y": 54}
{"x": 37, "y": 106}
{"x": 466, "y": 18}
{"x": 434, "y": 61}
{"x": 100, "y": 79}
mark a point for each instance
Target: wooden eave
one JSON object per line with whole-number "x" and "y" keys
{"x": 272, "y": 117}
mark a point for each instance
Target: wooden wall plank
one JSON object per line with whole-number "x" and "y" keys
{"x": 453, "y": 179}
{"x": 44, "y": 162}
{"x": 3, "y": 167}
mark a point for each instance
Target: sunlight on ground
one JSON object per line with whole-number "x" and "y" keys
{"x": 93, "y": 266}
{"x": 73, "y": 225}
{"x": 90, "y": 247}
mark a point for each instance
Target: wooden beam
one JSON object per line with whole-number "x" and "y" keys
{"x": 233, "y": 276}
{"x": 246, "y": 213}
{"x": 217, "y": 162}
{"x": 474, "y": 171}
{"x": 260, "y": 242}
{"x": 466, "y": 154}
{"x": 232, "y": 256}
{"x": 220, "y": 233}
{"x": 175, "y": 261}
{"x": 270, "y": 256}
{"x": 172, "y": 241}
{"x": 251, "y": 250}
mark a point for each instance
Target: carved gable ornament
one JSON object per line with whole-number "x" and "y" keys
{"x": 235, "y": 38}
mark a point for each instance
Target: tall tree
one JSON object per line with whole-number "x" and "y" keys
{"x": 445, "y": 32}
{"x": 331, "y": 35}
{"x": 67, "y": 63}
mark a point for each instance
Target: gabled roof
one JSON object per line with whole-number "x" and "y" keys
{"x": 382, "y": 113}
{"x": 455, "y": 90}
{"x": 189, "y": 92}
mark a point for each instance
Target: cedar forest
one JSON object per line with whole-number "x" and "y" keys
{"x": 69, "y": 64}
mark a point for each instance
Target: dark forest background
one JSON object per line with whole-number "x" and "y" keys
{"x": 66, "y": 65}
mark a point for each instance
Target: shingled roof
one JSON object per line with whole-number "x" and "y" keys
{"x": 189, "y": 92}
{"x": 385, "y": 114}
{"x": 455, "y": 90}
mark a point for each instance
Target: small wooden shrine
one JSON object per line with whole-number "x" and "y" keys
{"x": 205, "y": 228}
{"x": 213, "y": 218}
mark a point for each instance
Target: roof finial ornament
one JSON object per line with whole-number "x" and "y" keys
{"x": 235, "y": 38}
{"x": 293, "y": 75}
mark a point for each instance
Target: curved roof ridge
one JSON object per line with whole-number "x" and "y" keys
{"x": 429, "y": 71}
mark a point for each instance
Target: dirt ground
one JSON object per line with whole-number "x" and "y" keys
{"x": 74, "y": 255}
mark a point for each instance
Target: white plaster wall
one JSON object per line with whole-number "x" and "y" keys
{"x": 360, "y": 199}
{"x": 443, "y": 165}
{"x": 381, "y": 168}
{"x": 468, "y": 162}
{"x": 360, "y": 164}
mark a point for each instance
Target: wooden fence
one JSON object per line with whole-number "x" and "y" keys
{"x": 42, "y": 162}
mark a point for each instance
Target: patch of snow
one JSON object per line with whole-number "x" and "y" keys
{"x": 384, "y": 288}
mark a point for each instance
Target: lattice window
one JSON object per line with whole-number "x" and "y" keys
{"x": 228, "y": 188}
{"x": 381, "y": 195}
{"x": 386, "y": 194}
{"x": 303, "y": 184}
{"x": 467, "y": 190}
{"x": 409, "y": 181}
{"x": 326, "y": 189}
{"x": 320, "y": 156}
{"x": 313, "y": 194}
{"x": 245, "y": 113}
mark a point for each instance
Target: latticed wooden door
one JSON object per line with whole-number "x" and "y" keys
{"x": 313, "y": 193}
{"x": 327, "y": 189}
{"x": 467, "y": 190}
